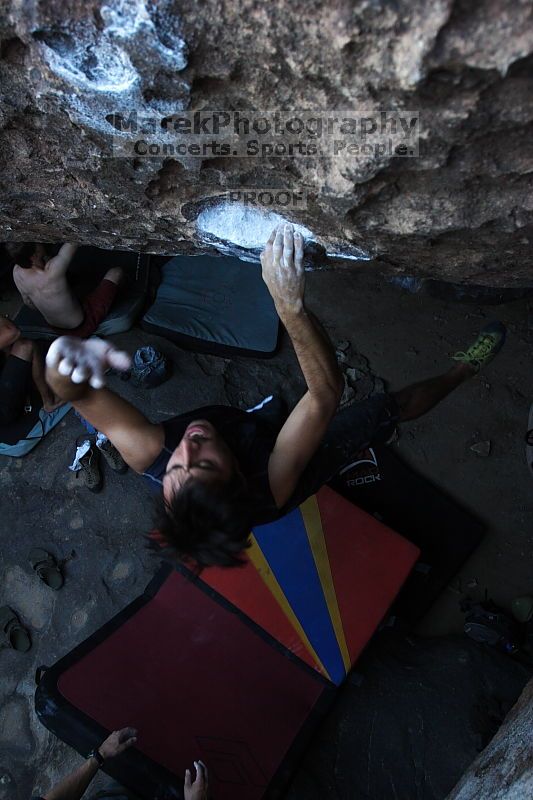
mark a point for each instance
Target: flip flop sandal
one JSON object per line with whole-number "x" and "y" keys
{"x": 529, "y": 440}
{"x": 12, "y": 634}
{"x": 46, "y": 567}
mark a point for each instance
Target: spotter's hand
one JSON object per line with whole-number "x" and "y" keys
{"x": 283, "y": 272}
{"x": 117, "y": 742}
{"x": 85, "y": 359}
{"x": 198, "y": 789}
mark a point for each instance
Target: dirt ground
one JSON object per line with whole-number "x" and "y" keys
{"x": 405, "y": 337}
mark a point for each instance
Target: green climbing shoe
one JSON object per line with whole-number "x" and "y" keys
{"x": 489, "y": 342}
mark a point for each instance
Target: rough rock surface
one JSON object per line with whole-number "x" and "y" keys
{"x": 462, "y": 210}
{"x": 504, "y": 770}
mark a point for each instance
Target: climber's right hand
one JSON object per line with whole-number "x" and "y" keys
{"x": 82, "y": 361}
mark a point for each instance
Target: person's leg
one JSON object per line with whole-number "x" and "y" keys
{"x": 115, "y": 275}
{"x": 352, "y": 429}
{"x": 23, "y": 349}
{"x": 87, "y": 425}
{"x": 97, "y": 304}
{"x": 15, "y": 381}
{"x": 373, "y": 421}
{"x": 49, "y": 400}
{"x": 421, "y": 397}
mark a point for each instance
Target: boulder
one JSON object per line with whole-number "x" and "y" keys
{"x": 411, "y": 124}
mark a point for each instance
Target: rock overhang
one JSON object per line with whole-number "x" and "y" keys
{"x": 461, "y": 210}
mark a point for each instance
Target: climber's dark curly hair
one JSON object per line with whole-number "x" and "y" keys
{"x": 208, "y": 524}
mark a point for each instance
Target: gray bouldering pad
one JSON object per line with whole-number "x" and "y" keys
{"x": 216, "y": 305}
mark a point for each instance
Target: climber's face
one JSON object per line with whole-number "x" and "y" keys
{"x": 202, "y": 454}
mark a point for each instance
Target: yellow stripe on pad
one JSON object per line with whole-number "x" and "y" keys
{"x": 259, "y": 561}
{"x": 315, "y": 534}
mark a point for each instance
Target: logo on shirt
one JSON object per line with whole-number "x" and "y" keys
{"x": 364, "y": 470}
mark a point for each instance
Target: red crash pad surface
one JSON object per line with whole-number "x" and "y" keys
{"x": 362, "y": 561}
{"x": 245, "y": 588}
{"x": 370, "y": 563}
{"x": 197, "y": 683}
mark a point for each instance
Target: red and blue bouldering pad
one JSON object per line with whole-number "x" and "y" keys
{"x": 380, "y": 482}
{"x": 320, "y": 580}
{"x": 197, "y": 681}
{"x": 236, "y": 666}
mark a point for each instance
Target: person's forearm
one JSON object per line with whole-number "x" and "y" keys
{"x": 74, "y": 785}
{"x": 314, "y": 352}
{"x": 23, "y": 349}
{"x": 60, "y": 263}
{"x": 66, "y": 253}
{"x": 37, "y": 373}
{"x": 64, "y": 388}
{"x": 68, "y": 249}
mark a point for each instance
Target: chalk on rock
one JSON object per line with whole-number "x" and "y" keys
{"x": 238, "y": 229}
{"x": 482, "y": 448}
{"x": 243, "y": 226}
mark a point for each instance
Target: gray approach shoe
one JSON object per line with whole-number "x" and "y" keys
{"x": 111, "y": 455}
{"x": 89, "y": 471}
